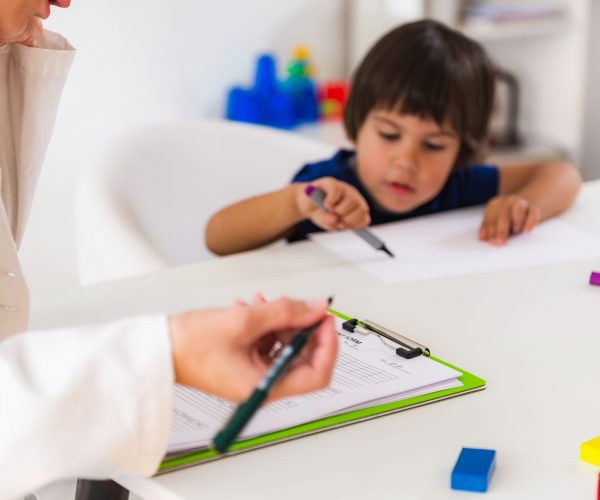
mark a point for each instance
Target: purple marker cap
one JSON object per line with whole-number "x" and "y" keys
{"x": 595, "y": 278}
{"x": 308, "y": 190}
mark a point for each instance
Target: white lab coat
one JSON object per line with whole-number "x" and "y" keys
{"x": 74, "y": 401}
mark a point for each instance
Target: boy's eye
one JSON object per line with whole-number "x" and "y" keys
{"x": 389, "y": 137}
{"x": 435, "y": 147}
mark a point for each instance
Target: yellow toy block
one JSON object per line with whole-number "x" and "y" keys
{"x": 590, "y": 451}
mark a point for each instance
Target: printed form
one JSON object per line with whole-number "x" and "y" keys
{"x": 367, "y": 372}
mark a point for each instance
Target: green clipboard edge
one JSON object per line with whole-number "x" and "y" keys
{"x": 470, "y": 383}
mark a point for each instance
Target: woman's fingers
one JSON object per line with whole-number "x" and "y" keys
{"x": 281, "y": 314}
{"x": 313, "y": 371}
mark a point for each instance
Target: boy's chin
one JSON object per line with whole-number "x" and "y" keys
{"x": 397, "y": 206}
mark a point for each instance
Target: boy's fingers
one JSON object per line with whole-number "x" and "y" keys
{"x": 519, "y": 211}
{"x": 482, "y": 231}
{"x": 358, "y": 218}
{"x": 346, "y": 206}
{"x": 502, "y": 228}
{"x": 333, "y": 191}
{"x": 533, "y": 217}
{"x": 489, "y": 224}
{"x": 487, "y": 230}
{"x": 326, "y": 220}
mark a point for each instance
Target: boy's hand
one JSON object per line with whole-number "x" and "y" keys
{"x": 345, "y": 206}
{"x": 506, "y": 215}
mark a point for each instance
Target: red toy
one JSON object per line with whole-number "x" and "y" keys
{"x": 332, "y": 98}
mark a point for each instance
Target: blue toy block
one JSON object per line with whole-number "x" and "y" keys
{"x": 265, "y": 102}
{"x": 304, "y": 98}
{"x": 271, "y": 102}
{"x": 473, "y": 470}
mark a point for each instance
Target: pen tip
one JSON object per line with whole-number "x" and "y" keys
{"x": 384, "y": 248}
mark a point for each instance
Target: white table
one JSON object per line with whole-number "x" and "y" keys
{"x": 533, "y": 334}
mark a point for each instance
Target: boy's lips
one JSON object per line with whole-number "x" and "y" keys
{"x": 400, "y": 188}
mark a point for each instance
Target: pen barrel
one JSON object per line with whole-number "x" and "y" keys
{"x": 318, "y": 196}
{"x": 240, "y": 418}
{"x": 369, "y": 237}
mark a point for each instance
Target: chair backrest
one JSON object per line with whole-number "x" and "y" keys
{"x": 145, "y": 197}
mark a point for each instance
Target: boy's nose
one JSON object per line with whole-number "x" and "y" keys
{"x": 405, "y": 158}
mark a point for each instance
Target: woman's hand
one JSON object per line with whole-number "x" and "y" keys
{"x": 506, "y": 215}
{"x": 345, "y": 206}
{"x": 226, "y": 352}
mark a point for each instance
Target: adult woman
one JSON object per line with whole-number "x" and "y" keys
{"x": 82, "y": 401}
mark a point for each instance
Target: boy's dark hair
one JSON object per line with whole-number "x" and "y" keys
{"x": 426, "y": 69}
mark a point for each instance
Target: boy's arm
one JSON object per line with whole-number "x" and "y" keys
{"x": 254, "y": 222}
{"x": 528, "y": 193}
{"x": 551, "y": 187}
{"x": 258, "y": 221}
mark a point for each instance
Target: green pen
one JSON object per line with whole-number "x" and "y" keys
{"x": 246, "y": 410}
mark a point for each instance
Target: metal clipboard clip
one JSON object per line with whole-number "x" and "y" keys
{"x": 407, "y": 348}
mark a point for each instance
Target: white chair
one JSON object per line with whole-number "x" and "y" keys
{"x": 144, "y": 198}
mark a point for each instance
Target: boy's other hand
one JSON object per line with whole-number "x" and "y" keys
{"x": 345, "y": 207}
{"x": 506, "y": 215}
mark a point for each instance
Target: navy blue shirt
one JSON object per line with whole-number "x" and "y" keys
{"x": 472, "y": 185}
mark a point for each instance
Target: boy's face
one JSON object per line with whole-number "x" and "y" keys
{"x": 402, "y": 160}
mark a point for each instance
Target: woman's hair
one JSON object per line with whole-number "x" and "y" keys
{"x": 431, "y": 71}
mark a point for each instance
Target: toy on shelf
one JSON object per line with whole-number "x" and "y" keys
{"x": 300, "y": 86}
{"x": 289, "y": 102}
{"x": 266, "y": 102}
{"x": 332, "y": 99}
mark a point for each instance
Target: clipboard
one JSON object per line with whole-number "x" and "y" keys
{"x": 470, "y": 383}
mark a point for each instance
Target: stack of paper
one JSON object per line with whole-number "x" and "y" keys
{"x": 367, "y": 372}
{"x": 447, "y": 244}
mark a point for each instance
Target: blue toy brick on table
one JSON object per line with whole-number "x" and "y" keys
{"x": 473, "y": 469}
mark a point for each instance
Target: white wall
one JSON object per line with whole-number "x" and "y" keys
{"x": 146, "y": 60}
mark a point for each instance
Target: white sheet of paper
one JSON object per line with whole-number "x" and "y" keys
{"x": 367, "y": 372}
{"x": 447, "y": 244}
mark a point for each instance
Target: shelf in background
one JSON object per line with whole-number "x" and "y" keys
{"x": 525, "y": 153}
{"x": 515, "y": 30}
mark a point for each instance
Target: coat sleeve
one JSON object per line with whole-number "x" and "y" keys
{"x": 84, "y": 402}
{"x": 36, "y": 77}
